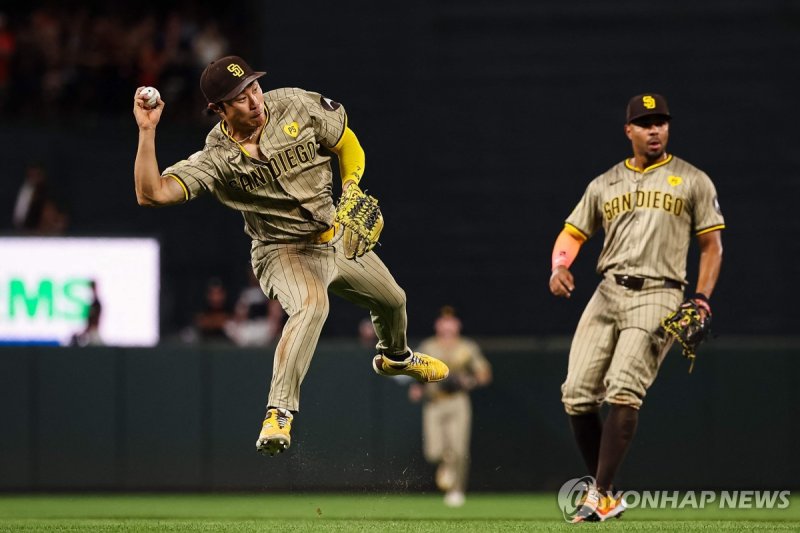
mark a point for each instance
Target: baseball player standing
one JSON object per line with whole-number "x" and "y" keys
{"x": 264, "y": 159}
{"x": 447, "y": 412}
{"x": 648, "y": 207}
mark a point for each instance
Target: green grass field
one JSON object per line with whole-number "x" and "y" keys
{"x": 353, "y": 512}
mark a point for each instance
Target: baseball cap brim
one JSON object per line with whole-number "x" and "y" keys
{"x": 665, "y": 116}
{"x": 239, "y": 88}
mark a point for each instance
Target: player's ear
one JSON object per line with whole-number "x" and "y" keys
{"x": 213, "y": 109}
{"x": 628, "y": 131}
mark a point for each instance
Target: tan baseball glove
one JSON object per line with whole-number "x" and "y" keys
{"x": 361, "y": 220}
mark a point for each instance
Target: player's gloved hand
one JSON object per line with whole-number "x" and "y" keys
{"x": 703, "y": 307}
{"x": 361, "y": 221}
{"x": 451, "y": 384}
{"x": 146, "y": 119}
{"x": 689, "y": 325}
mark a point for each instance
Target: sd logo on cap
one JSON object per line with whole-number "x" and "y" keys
{"x": 225, "y": 78}
{"x": 643, "y": 105}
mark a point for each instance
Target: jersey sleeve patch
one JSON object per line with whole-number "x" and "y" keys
{"x": 328, "y": 117}
{"x": 328, "y": 104}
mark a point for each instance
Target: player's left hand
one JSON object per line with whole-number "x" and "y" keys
{"x": 561, "y": 282}
{"x": 689, "y": 325}
{"x": 361, "y": 221}
{"x": 703, "y": 308}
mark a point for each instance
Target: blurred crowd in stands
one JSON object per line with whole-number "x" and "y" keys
{"x": 253, "y": 320}
{"x": 59, "y": 58}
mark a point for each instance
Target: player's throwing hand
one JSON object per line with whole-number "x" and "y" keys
{"x": 146, "y": 118}
{"x": 289, "y": 214}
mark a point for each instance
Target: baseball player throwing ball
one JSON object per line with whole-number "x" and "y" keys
{"x": 648, "y": 206}
{"x": 264, "y": 158}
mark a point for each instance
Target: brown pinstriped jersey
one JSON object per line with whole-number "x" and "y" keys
{"x": 648, "y": 217}
{"x": 286, "y": 194}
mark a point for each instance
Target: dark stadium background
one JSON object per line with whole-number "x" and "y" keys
{"x": 482, "y": 123}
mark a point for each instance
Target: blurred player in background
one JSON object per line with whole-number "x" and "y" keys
{"x": 447, "y": 412}
{"x": 366, "y": 333}
{"x": 269, "y": 159}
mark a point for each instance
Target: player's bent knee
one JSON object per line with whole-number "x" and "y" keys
{"x": 576, "y": 399}
{"x": 395, "y": 302}
{"x": 399, "y": 298}
{"x": 315, "y": 309}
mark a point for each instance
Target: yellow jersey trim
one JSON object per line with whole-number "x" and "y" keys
{"x": 225, "y": 131}
{"x": 575, "y": 232}
{"x": 182, "y": 184}
{"x": 709, "y": 230}
{"x": 651, "y": 167}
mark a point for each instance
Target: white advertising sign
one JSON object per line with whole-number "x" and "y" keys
{"x": 46, "y": 295}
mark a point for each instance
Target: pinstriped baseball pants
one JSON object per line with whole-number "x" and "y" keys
{"x": 299, "y": 277}
{"x": 446, "y": 429}
{"x": 616, "y": 351}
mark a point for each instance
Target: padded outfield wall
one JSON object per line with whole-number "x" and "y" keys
{"x": 187, "y": 419}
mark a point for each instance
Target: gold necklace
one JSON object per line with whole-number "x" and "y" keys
{"x": 249, "y": 137}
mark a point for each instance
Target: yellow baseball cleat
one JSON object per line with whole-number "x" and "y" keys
{"x": 419, "y": 366}
{"x": 275, "y": 432}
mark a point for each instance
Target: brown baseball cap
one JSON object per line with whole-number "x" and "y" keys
{"x": 643, "y": 105}
{"x": 226, "y": 77}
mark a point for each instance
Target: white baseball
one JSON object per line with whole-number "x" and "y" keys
{"x": 151, "y": 96}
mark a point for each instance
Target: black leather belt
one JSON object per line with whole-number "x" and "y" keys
{"x": 636, "y": 284}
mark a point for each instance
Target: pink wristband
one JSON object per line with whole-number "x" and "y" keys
{"x": 565, "y": 250}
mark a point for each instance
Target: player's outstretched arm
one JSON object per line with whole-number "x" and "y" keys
{"x": 151, "y": 188}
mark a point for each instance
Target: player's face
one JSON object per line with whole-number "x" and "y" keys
{"x": 447, "y": 326}
{"x": 245, "y": 112}
{"x": 649, "y": 137}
